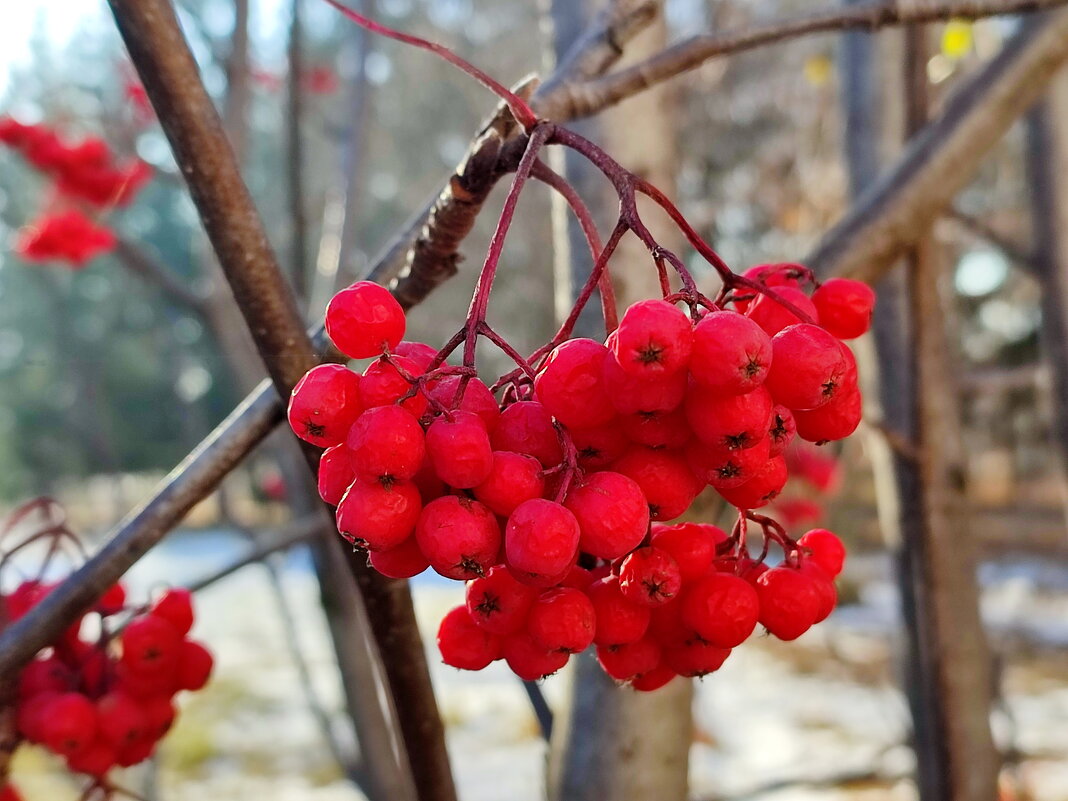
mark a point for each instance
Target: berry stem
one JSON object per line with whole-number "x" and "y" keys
{"x": 522, "y": 112}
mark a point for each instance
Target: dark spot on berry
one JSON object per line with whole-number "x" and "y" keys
{"x": 470, "y": 566}
{"x": 829, "y": 388}
{"x": 736, "y": 441}
{"x": 650, "y": 354}
{"x": 729, "y": 470}
{"x": 751, "y": 368}
{"x": 778, "y": 431}
{"x": 314, "y": 429}
{"x": 488, "y": 605}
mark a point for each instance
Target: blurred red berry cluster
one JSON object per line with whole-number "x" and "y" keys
{"x": 106, "y": 699}
{"x": 87, "y": 177}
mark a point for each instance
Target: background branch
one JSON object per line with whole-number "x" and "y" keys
{"x": 589, "y": 97}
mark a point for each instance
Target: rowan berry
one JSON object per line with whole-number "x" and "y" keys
{"x": 150, "y": 645}
{"x": 459, "y": 536}
{"x": 401, "y": 561}
{"x": 691, "y": 545}
{"x": 528, "y": 660}
{"x": 527, "y": 427}
{"x": 336, "y": 474}
{"x": 379, "y": 515}
{"x": 618, "y": 619}
{"x": 463, "y": 644}
{"x": 513, "y": 479}
{"x": 723, "y": 609}
{"x": 845, "y": 306}
{"x": 650, "y": 576}
{"x": 825, "y": 549}
{"x": 668, "y": 484}
{"x": 612, "y": 514}
{"x": 571, "y": 384}
{"x": 541, "y": 541}
{"x": 629, "y": 661}
{"x": 653, "y": 338}
{"x": 761, "y": 489}
{"x": 789, "y": 602}
{"x": 364, "y": 319}
{"x": 386, "y": 443}
{"x": 731, "y": 354}
{"x": 562, "y": 619}
{"x": 498, "y": 603}
{"x": 808, "y": 368}
{"x": 324, "y": 404}
{"x": 731, "y": 422}
{"x": 773, "y": 317}
{"x": 176, "y": 607}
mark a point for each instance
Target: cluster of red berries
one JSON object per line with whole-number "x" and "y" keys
{"x": 106, "y": 701}
{"x": 544, "y": 501}
{"x": 68, "y": 236}
{"x": 86, "y": 171}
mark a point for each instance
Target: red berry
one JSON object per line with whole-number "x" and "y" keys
{"x": 136, "y": 753}
{"x": 783, "y": 428}
{"x": 653, "y": 338}
{"x": 825, "y": 549}
{"x": 324, "y": 404}
{"x": 809, "y": 367}
{"x": 562, "y": 619}
{"x": 150, "y": 645}
{"x": 654, "y": 679}
{"x": 834, "y": 420}
{"x": 401, "y": 561}
{"x": 722, "y": 468}
{"x": 384, "y": 384}
{"x": 463, "y": 644}
{"x": 176, "y": 607}
{"x": 364, "y": 319}
{"x": 96, "y": 760}
{"x": 630, "y": 393}
{"x": 460, "y": 449}
{"x": 773, "y": 317}
{"x": 386, "y": 443}
{"x": 825, "y": 591}
{"x": 498, "y": 603}
{"x": 379, "y": 515}
{"x": 45, "y": 676}
{"x": 121, "y": 721}
{"x": 145, "y": 684}
{"x": 668, "y": 484}
{"x": 691, "y": 545}
{"x": 722, "y": 608}
{"x": 194, "y": 666}
{"x": 30, "y": 714}
{"x": 460, "y": 537}
{"x": 527, "y": 427}
{"x": 530, "y": 661}
{"x": 789, "y": 602}
{"x": 476, "y": 398}
{"x": 159, "y": 715}
{"x": 420, "y": 353}
{"x": 612, "y": 514}
{"x": 541, "y": 541}
{"x": 695, "y": 658}
{"x": 68, "y": 724}
{"x": 112, "y": 601}
{"x": 627, "y": 662}
{"x": 845, "y": 307}
{"x": 657, "y": 429}
{"x": 650, "y": 576}
{"x": 336, "y": 474}
{"x": 513, "y": 479}
{"x": 730, "y": 422}
{"x": 571, "y": 384}
{"x": 731, "y": 354}
{"x": 599, "y": 447}
{"x": 761, "y": 489}
{"x": 619, "y": 620}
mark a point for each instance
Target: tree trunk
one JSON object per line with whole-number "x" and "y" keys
{"x": 612, "y": 743}
{"x": 947, "y": 662}
{"x": 1047, "y": 163}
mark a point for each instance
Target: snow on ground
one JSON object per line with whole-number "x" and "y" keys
{"x": 821, "y": 707}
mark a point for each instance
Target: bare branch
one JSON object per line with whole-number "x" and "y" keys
{"x": 982, "y": 229}
{"x": 295, "y": 533}
{"x": 942, "y": 157}
{"x": 586, "y": 98}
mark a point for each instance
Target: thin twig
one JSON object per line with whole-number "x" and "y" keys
{"x": 137, "y": 260}
{"x": 595, "y": 95}
{"x": 1016, "y": 251}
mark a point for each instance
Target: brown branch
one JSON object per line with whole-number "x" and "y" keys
{"x": 295, "y": 533}
{"x": 298, "y": 224}
{"x": 137, "y": 260}
{"x": 1015, "y": 251}
{"x": 943, "y": 156}
{"x": 584, "y": 99}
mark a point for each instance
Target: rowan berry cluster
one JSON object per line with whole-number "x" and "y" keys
{"x": 543, "y": 501}
{"x": 106, "y": 700}
{"x": 86, "y": 174}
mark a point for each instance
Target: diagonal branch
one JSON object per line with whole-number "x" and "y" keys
{"x": 939, "y": 160}
{"x": 139, "y": 261}
{"x": 590, "y": 97}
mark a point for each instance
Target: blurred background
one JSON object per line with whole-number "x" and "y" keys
{"x": 109, "y": 375}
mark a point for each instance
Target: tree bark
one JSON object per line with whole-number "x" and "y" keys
{"x": 947, "y": 664}
{"x": 1047, "y": 165}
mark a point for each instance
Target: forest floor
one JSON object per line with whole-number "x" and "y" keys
{"x": 820, "y": 718}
